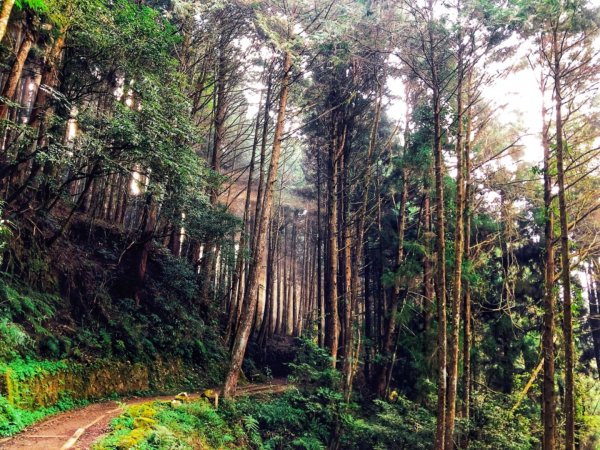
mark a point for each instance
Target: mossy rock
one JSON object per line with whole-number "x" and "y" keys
{"x": 146, "y": 410}
{"x": 183, "y": 397}
{"x": 133, "y": 439}
{"x": 143, "y": 422}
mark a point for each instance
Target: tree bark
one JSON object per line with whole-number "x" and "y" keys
{"x": 332, "y": 333}
{"x": 42, "y": 112}
{"x": 243, "y": 332}
{"x": 564, "y": 251}
{"x": 440, "y": 279}
{"x": 209, "y": 258}
{"x": 294, "y": 264}
{"x": 10, "y": 87}
{"x": 428, "y": 290}
{"x": 236, "y": 291}
{"x": 145, "y": 244}
{"x": 7, "y": 7}
{"x": 548, "y": 392}
{"x": 467, "y": 339}
{"x": 458, "y": 257}
{"x": 320, "y": 296}
{"x": 390, "y": 323}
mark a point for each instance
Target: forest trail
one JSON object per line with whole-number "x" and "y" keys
{"x": 80, "y": 428}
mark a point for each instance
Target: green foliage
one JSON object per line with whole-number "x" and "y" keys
{"x": 5, "y": 233}
{"x": 588, "y": 410}
{"x": 14, "y": 419}
{"x": 312, "y": 366}
{"x": 36, "y": 5}
{"x": 171, "y": 425}
{"x": 401, "y": 425}
{"x": 25, "y": 315}
{"x": 494, "y": 426}
{"x": 309, "y": 416}
{"x": 24, "y": 369}
{"x": 170, "y": 323}
{"x": 13, "y": 340}
{"x": 302, "y": 418}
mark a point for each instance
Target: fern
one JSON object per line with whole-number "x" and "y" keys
{"x": 251, "y": 424}
{"x": 36, "y": 5}
{"x": 308, "y": 443}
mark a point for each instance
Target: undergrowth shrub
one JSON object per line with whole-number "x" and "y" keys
{"x": 24, "y": 327}
{"x": 493, "y": 425}
{"x": 313, "y": 415}
{"x": 172, "y": 425}
{"x": 169, "y": 323}
{"x": 14, "y": 419}
{"x": 168, "y": 333}
{"x": 304, "y": 417}
{"x": 14, "y": 341}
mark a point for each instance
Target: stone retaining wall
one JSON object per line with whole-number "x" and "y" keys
{"x": 42, "y": 388}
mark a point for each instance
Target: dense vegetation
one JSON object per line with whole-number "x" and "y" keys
{"x": 334, "y": 191}
{"x": 308, "y": 417}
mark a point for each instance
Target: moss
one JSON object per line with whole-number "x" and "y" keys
{"x": 38, "y": 384}
{"x": 12, "y": 390}
{"x": 133, "y": 438}
{"x": 143, "y": 422}
{"x": 145, "y": 410}
{"x": 30, "y": 390}
{"x": 161, "y": 425}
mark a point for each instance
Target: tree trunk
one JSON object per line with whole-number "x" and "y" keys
{"x": 267, "y": 324}
{"x": 263, "y": 158}
{"x": 286, "y": 278}
{"x": 280, "y": 286}
{"x": 320, "y": 296}
{"x": 243, "y": 332}
{"x": 466, "y": 382}
{"x": 236, "y": 290}
{"x": 440, "y": 279}
{"x": 332, "y": 333}
{"x": 10, "y": 87}
{"x": 145, "y": 244}
{"x": 220, "y": 111}
{"x": 369, "y": 344}
{"x": 294, "y": 264}
{"x": 209, "y": 259}
{"x": 548, "y": 392}
{"x": 390, "y": 327}
{"x": 43, "y": 109}
{"x": 7, "y": 7}
{"x": 458, "y": 256}
{"x": 348, "y": 305}
{"x": 564, "y": 253}
{"x": 428, "y": 290}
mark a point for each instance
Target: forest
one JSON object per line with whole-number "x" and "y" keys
{"x": 300, "y": 224}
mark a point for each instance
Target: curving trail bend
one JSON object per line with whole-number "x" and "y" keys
{"x": 79, "y": 428}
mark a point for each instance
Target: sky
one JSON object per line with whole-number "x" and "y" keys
{"x": 516, "y": 97}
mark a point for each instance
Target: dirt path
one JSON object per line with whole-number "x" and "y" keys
{"x": 79, "y": 428}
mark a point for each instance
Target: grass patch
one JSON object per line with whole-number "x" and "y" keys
{"x": 14, "y": 419}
